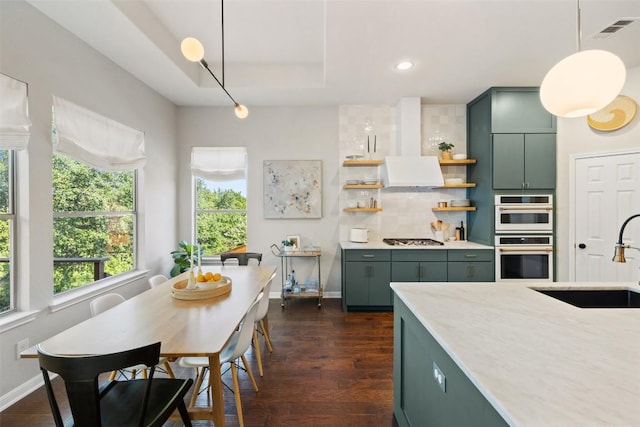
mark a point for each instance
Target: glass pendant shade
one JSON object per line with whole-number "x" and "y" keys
{"x": 582, "y": 83}
{"x": 192, "y": 49}
{"x": 241, "y": 111}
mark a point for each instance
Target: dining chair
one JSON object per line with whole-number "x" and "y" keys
{"x": 104, "y": 303}
{"x": 260, "y": 329}
{"x": 136, "y": 402}
{"x": 156, "y": 280}
{"x": 232, "y": 352}
{"x": 242, "y": 257}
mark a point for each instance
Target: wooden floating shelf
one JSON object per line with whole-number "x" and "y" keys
{"x": 455, "y": 209}
{"x": 362, "y": 163}
{"x": 363, "y": 209}
{"x": 457, "y": 162}
{"x": 463, "y": 185}
{"x": 362, "y": 186}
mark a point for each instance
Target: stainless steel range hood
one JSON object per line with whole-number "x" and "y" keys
{"x": 408, "y": 168}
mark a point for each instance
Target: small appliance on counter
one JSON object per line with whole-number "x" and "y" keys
{"x": 359, "y": 235}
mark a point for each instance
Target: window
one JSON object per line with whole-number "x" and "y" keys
{"x": 7, "y": 231}
{"x": 14, "y": 135}
{"x": 93, "y": 223}
{"x": 94, "y": 204}
{"x": 220, "y": 187}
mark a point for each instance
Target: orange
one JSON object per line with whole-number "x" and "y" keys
{"x": 209, "y": 275}
{"x": 217, "y": 277}
{"x": 201, "y": 278}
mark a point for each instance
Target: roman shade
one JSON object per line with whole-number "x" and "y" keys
{"x": 94, "y": 139}
{"x": 219, "y": 163}
{"x": 14, "y": 114}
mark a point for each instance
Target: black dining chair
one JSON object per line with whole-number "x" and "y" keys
{"x": 137, "y": 402}
{"x": 242, "y": 257}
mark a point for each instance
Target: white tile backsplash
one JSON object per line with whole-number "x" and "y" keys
{"x": 405, "y": 213}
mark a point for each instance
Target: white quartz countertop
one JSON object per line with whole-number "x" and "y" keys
{"x": 537, "y": 360}
{"x": 381, "y": 245}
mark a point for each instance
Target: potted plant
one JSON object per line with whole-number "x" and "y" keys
{"x": 445, "y": 147}
{"x": 182, "y": 257}
{"x": 288, "y": 245}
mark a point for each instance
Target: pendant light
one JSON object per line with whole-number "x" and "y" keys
{"x": 193, "y": 51}
{"x": 584, "y": 82}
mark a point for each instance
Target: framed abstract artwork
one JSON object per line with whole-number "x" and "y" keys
{"x": 292, "y": 189}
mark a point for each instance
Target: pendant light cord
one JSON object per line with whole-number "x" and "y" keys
{"x": 222, "y": 27}
{"x": 578, "y": 27}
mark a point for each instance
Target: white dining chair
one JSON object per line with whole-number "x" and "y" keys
{"x": 260, "y": 328}
{"x": 232, "y": 352}
{"x": 104, "y": 303}
{"x": 156, "y": 280}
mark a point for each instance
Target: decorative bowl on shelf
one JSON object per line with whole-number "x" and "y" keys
{"x": 460, "y": 203}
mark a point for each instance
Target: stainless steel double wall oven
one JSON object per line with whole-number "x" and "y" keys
{"x": 524, "y": 237}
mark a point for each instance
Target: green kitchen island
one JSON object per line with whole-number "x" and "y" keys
{"x": 492, "y": 354}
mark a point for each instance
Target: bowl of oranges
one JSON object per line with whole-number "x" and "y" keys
{"x": 208, "y": 285}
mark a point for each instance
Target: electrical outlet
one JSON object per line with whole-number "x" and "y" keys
{"x": 21, "y": 346}
{"x": 440, "y": 378}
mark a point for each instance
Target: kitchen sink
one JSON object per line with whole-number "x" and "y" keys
{"x": 596, "y": 298}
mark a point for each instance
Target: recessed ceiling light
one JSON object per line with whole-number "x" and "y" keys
{"x": 404, "y": 65}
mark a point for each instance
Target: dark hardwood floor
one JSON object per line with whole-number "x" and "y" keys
{"x": 328, "y": 368}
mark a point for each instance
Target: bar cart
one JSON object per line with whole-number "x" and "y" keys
{"x": 308, "y": 288}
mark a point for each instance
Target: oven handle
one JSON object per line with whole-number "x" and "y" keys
{"x": 525, "y": 208}
{"x": 548, "y": 250}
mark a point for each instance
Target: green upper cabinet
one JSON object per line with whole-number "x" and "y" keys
{"x": 524, "y": 161}
{"x": 519, "y": 110}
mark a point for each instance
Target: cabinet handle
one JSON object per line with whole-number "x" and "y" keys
{"x": 470, "y": 256}
{"x": 470, "y": 271}
{"x": 368, "y": 256}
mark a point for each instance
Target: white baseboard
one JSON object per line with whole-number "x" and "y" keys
{"x": 21, "y": 391}
{"x": 335, "y": 294}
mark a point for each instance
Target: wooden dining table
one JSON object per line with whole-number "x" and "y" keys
{"x": 184, "y": 327}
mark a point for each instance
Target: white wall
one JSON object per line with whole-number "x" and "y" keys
{"x": 52, "y": 61}
{"x": 274, "y": 133}
{"x": 576, "y": 137}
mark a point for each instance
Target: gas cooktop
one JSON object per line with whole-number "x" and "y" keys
{"x": 412, "y": 242}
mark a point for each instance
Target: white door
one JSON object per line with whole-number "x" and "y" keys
{"x": 607, "y": 192}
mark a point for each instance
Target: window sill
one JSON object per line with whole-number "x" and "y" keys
{"x": 70, "y": 298}
{"x": 13, "y": 320}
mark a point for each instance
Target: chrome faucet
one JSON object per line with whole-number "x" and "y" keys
{"x": 618, "y": 255}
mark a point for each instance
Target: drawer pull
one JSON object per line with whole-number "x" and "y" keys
{"x": 470, "y": 256}
{"x": 368, "y": 256}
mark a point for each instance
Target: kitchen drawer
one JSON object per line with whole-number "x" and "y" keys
{"x": 419, "y": 255}
{"x": 367, "y": 255}
{"x": 470, "y": 255}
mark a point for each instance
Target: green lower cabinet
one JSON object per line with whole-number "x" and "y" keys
{"x": 418, "y": 399}
{"x": 471, "y": 266}
{"x": 419, "y": 266}
{"x": 366, "y": 279}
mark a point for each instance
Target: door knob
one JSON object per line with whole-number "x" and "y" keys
{"x": 582, "y": 245}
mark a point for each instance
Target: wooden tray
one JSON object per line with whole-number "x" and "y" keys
{"x": 203, "y": 289}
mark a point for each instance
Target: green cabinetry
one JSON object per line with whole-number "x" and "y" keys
{"x": 522, "y": 161}
{"x": 519, "y": 110}
{"x": 471, "y": 266}
{"x": 366, "y": 278}
{"x": 418, "y": 399}
{"x": 419, "y": 266}
{"x": 367, "y": 274}
{"x": 513, "y": 139}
